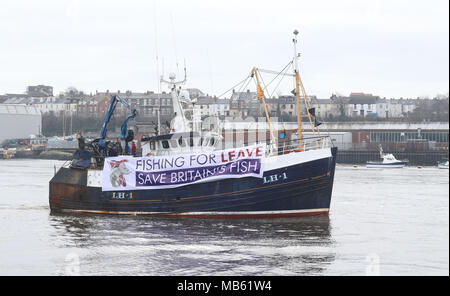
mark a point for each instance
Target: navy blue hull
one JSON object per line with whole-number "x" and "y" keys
{"x": 297, "y": 190}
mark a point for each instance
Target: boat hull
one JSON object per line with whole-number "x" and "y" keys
{"x": 302, "y": 189}
{"x": 443, "y": 165}
{"x": 386, "y": 165}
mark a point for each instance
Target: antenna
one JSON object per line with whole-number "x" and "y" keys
{"x": 174, "y": 43}
{"x": 157, "y": 69}
{"x": 185, "y": 73}
{"x": 210, "y": 71}
{"x": 162, "y": 75}
{"x": 295, "y": 51}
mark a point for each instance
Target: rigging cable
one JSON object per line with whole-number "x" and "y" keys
{"x": 278, "y": 74}
{"x": 233, "y": 87}
{"x": 285, "y": 69}
{"x": 242, "y": 88}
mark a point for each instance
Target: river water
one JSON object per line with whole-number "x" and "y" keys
{"x": 382, "y": 222}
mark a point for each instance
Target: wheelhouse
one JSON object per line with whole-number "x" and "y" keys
{"x": 178, "y": 143}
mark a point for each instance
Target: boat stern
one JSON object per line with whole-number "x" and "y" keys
{"x": 67, "y": 184}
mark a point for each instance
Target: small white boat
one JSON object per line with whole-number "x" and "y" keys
{"x": 443, "y": 165}
{"x": 389, "y": 161}
{"x": 7, "y": 153}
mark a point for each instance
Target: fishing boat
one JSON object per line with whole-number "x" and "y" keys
{"x": 188, "y": 173}
{"x": 443, "y": 165}
{"x": 389, "y": 161}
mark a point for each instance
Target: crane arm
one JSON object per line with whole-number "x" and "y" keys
{"x": 109, "y": 113}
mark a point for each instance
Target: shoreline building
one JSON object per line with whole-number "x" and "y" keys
{"x": 147, "y": 104}
{"x": 355, "y": 136}
{"x": 212, "y": 106}
{"x": 19, "y": 121}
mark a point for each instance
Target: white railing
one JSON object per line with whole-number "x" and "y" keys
{"x": 308, "y": 143}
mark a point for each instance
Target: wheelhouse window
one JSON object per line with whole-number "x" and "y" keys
{"x": 152, "y": 145}
{"x": 165, "y": 144}
{"x": 173, "y": 144}
{"x": 181, "y": 142}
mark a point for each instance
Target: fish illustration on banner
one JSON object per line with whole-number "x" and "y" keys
{"x": 118, "y": 171}
{"x": 157, "y": 172}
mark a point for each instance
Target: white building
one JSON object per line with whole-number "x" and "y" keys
{"x": 362, "y": 107}
{"x": 394, "y": 108}
{"x": 19, "y": 121}
{"x": 210, "y": 106}
{"x": 56, "y": 105}
{"x": 324, "y": 108}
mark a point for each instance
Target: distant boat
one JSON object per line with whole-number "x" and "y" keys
{"x": 389, "y": 161}
{"x": 7, "y": 153}
{"x": 62, "y": 143}
{"x": 443, "y": 165}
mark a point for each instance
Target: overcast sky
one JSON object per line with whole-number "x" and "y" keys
{"x": 392, "y": 48}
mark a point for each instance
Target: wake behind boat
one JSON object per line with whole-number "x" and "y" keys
{"x": 389, "y": 161}
{"x": 185, "y": 173}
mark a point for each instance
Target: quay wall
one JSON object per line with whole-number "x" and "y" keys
{"x": 425, "y": 158}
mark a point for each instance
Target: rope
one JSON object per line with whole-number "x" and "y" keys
{"x": 233, "y": 87}
{"x": 285, "y": 70}
{"x": 278, "y": 74}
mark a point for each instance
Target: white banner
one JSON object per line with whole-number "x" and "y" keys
{"x": 157, "y": 172}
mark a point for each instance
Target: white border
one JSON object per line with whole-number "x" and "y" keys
{"x": 321, "y": 210}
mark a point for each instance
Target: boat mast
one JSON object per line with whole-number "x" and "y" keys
{"x": 300, "y": 88}
{"x": 260, "y": 95}
{"x": 297, "y": 94}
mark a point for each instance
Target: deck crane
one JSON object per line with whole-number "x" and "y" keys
{"x": 124, "y": 133}
{"x": 99, "y": 148}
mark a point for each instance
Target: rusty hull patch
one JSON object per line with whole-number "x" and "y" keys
{"x": 68, "y": 185}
